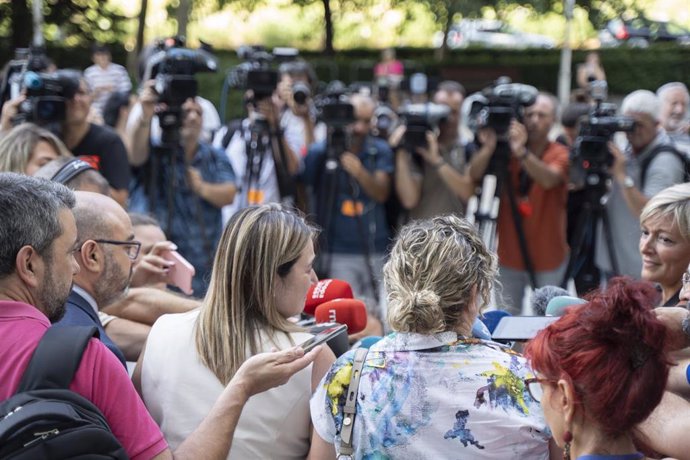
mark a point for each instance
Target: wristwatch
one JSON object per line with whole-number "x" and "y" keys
{"x": 628, "y": 182}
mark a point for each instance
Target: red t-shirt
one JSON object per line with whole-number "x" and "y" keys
{"x": 545, "y": 227}
{"x": 100, "y": 378}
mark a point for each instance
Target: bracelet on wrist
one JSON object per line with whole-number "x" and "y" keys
{"x": 524, "y": 155}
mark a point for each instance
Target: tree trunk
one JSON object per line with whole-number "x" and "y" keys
{"x": 443, "y": 50}
{"x": 142, "y": 26}
{"x": 183, "y": 12}
{"x": 21, "y": 24}
{"x": 328, "y": 20}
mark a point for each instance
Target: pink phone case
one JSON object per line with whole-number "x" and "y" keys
{"x": 181, "y": 273}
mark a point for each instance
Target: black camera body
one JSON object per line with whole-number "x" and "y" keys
{"x": 334, "y": 109}
{"x": 418, "y": 119}
{"x": 590, "y": 152}
{"x": 173, "y": 69}
{"x": 501, "y": 102}
{"x": 255, "y": 74}
{"x": 46, "y": 96}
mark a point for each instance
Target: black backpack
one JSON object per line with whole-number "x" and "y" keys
{"x": 46, "y": 420}
{"x": 669, "y": 148}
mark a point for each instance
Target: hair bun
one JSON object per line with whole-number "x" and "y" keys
{"x": 426, "y": 299}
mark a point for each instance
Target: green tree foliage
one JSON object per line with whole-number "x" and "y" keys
{"x": 71, "y": 22}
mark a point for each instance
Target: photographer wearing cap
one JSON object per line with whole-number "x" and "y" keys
{"x": 649, "y": 163}
{"x": 538, "y": 176}
{"x": 432, "y": 180}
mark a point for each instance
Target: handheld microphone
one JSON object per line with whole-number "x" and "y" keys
{"x": 558, "y": 305}
{"x": 351, "y": 312}
{"x": 543, "y": 295}
{"x": 324, "y": 291}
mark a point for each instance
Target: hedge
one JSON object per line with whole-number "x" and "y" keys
{"x": 626, "y": 69}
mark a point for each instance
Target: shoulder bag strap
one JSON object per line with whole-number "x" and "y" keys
{"x": 56, "y": 358}
{"x": 350, "y": 409}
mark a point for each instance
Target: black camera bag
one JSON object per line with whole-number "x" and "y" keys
{"x": 46, "y": 420}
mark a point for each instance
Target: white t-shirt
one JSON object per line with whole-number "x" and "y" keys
{"x": 210, "y": 120}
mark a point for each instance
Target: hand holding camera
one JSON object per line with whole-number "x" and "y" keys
{"x": 517, "y": 137}
{"x": 430, "y": 151}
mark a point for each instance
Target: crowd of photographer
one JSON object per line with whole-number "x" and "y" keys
{"x": 361, "y": 162}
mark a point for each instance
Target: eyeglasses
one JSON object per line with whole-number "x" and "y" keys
{"x": 686, "y": 278}
{"x": 534, "y": 387}
{"x": 132, "y": 248}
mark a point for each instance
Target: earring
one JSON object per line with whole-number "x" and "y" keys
{"x": 567, "y": 438}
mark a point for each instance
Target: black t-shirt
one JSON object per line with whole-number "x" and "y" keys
{"x": 103, "y": 149}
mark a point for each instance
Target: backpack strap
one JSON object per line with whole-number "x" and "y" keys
{"x": 56, "y": 358}
{"x": 664, "y": 147}
{"x": 350, "y": 409}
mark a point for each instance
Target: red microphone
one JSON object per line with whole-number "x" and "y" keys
{"x": 324, "y": 291}
{"x": 351, "y": 312}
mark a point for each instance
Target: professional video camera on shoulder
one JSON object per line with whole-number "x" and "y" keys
{"x": 418, "y": 119}
{"x": 173, "y": 66}
{"x": 46, "y": 92}
{"x": 500, "y": 103}
{"x": 591, "y": 154}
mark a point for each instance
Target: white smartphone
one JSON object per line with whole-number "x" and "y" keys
{"x": 323, "y": 336}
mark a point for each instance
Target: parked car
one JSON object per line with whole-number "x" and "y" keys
{"x": 640, "y": 32}
{"x": 490, "y": 34}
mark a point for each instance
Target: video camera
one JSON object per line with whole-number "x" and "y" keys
{"x": 256, "y": 74}
{"x": 46, "y": 96}
{"x": 591, "y": 157}
{"x": 46, "y": 93}
{"x": 173, "y": 68}
{"x": 420, "y": 118}
{"x": 499, "y": 103}
{"x": 336, "y": 112}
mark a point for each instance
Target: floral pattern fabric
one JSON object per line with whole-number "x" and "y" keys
{"x": 435, "y": 396}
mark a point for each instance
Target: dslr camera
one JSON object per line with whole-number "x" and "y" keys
{"x": 418, "y": 119}
{"x": 173, "y": 68}
{"x": 499, "y": 103}
{"x": 590, "y": 157}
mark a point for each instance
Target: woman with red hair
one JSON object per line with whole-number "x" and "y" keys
{"x": 601, "y": 370}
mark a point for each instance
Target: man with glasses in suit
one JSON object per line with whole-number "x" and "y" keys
{"x": 105, "y": 254}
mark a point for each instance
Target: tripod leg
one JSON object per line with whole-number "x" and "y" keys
{"x": 579, "y": 246}
{"x": 609, "y": 242}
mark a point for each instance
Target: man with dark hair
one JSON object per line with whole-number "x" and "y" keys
{"x": 433, "y": 180}
{"x": 38, "y": 240}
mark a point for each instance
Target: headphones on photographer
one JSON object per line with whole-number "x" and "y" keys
{"x": 70, "y": 170}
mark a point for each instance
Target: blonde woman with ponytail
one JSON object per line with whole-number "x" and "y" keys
{"x": 429, "y": 390}
{"x": 261, "y": 273}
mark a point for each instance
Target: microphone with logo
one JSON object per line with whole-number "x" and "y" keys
{"x": 330, "y": 302}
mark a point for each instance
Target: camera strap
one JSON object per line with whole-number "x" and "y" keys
{"x": 350, "y": 408}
